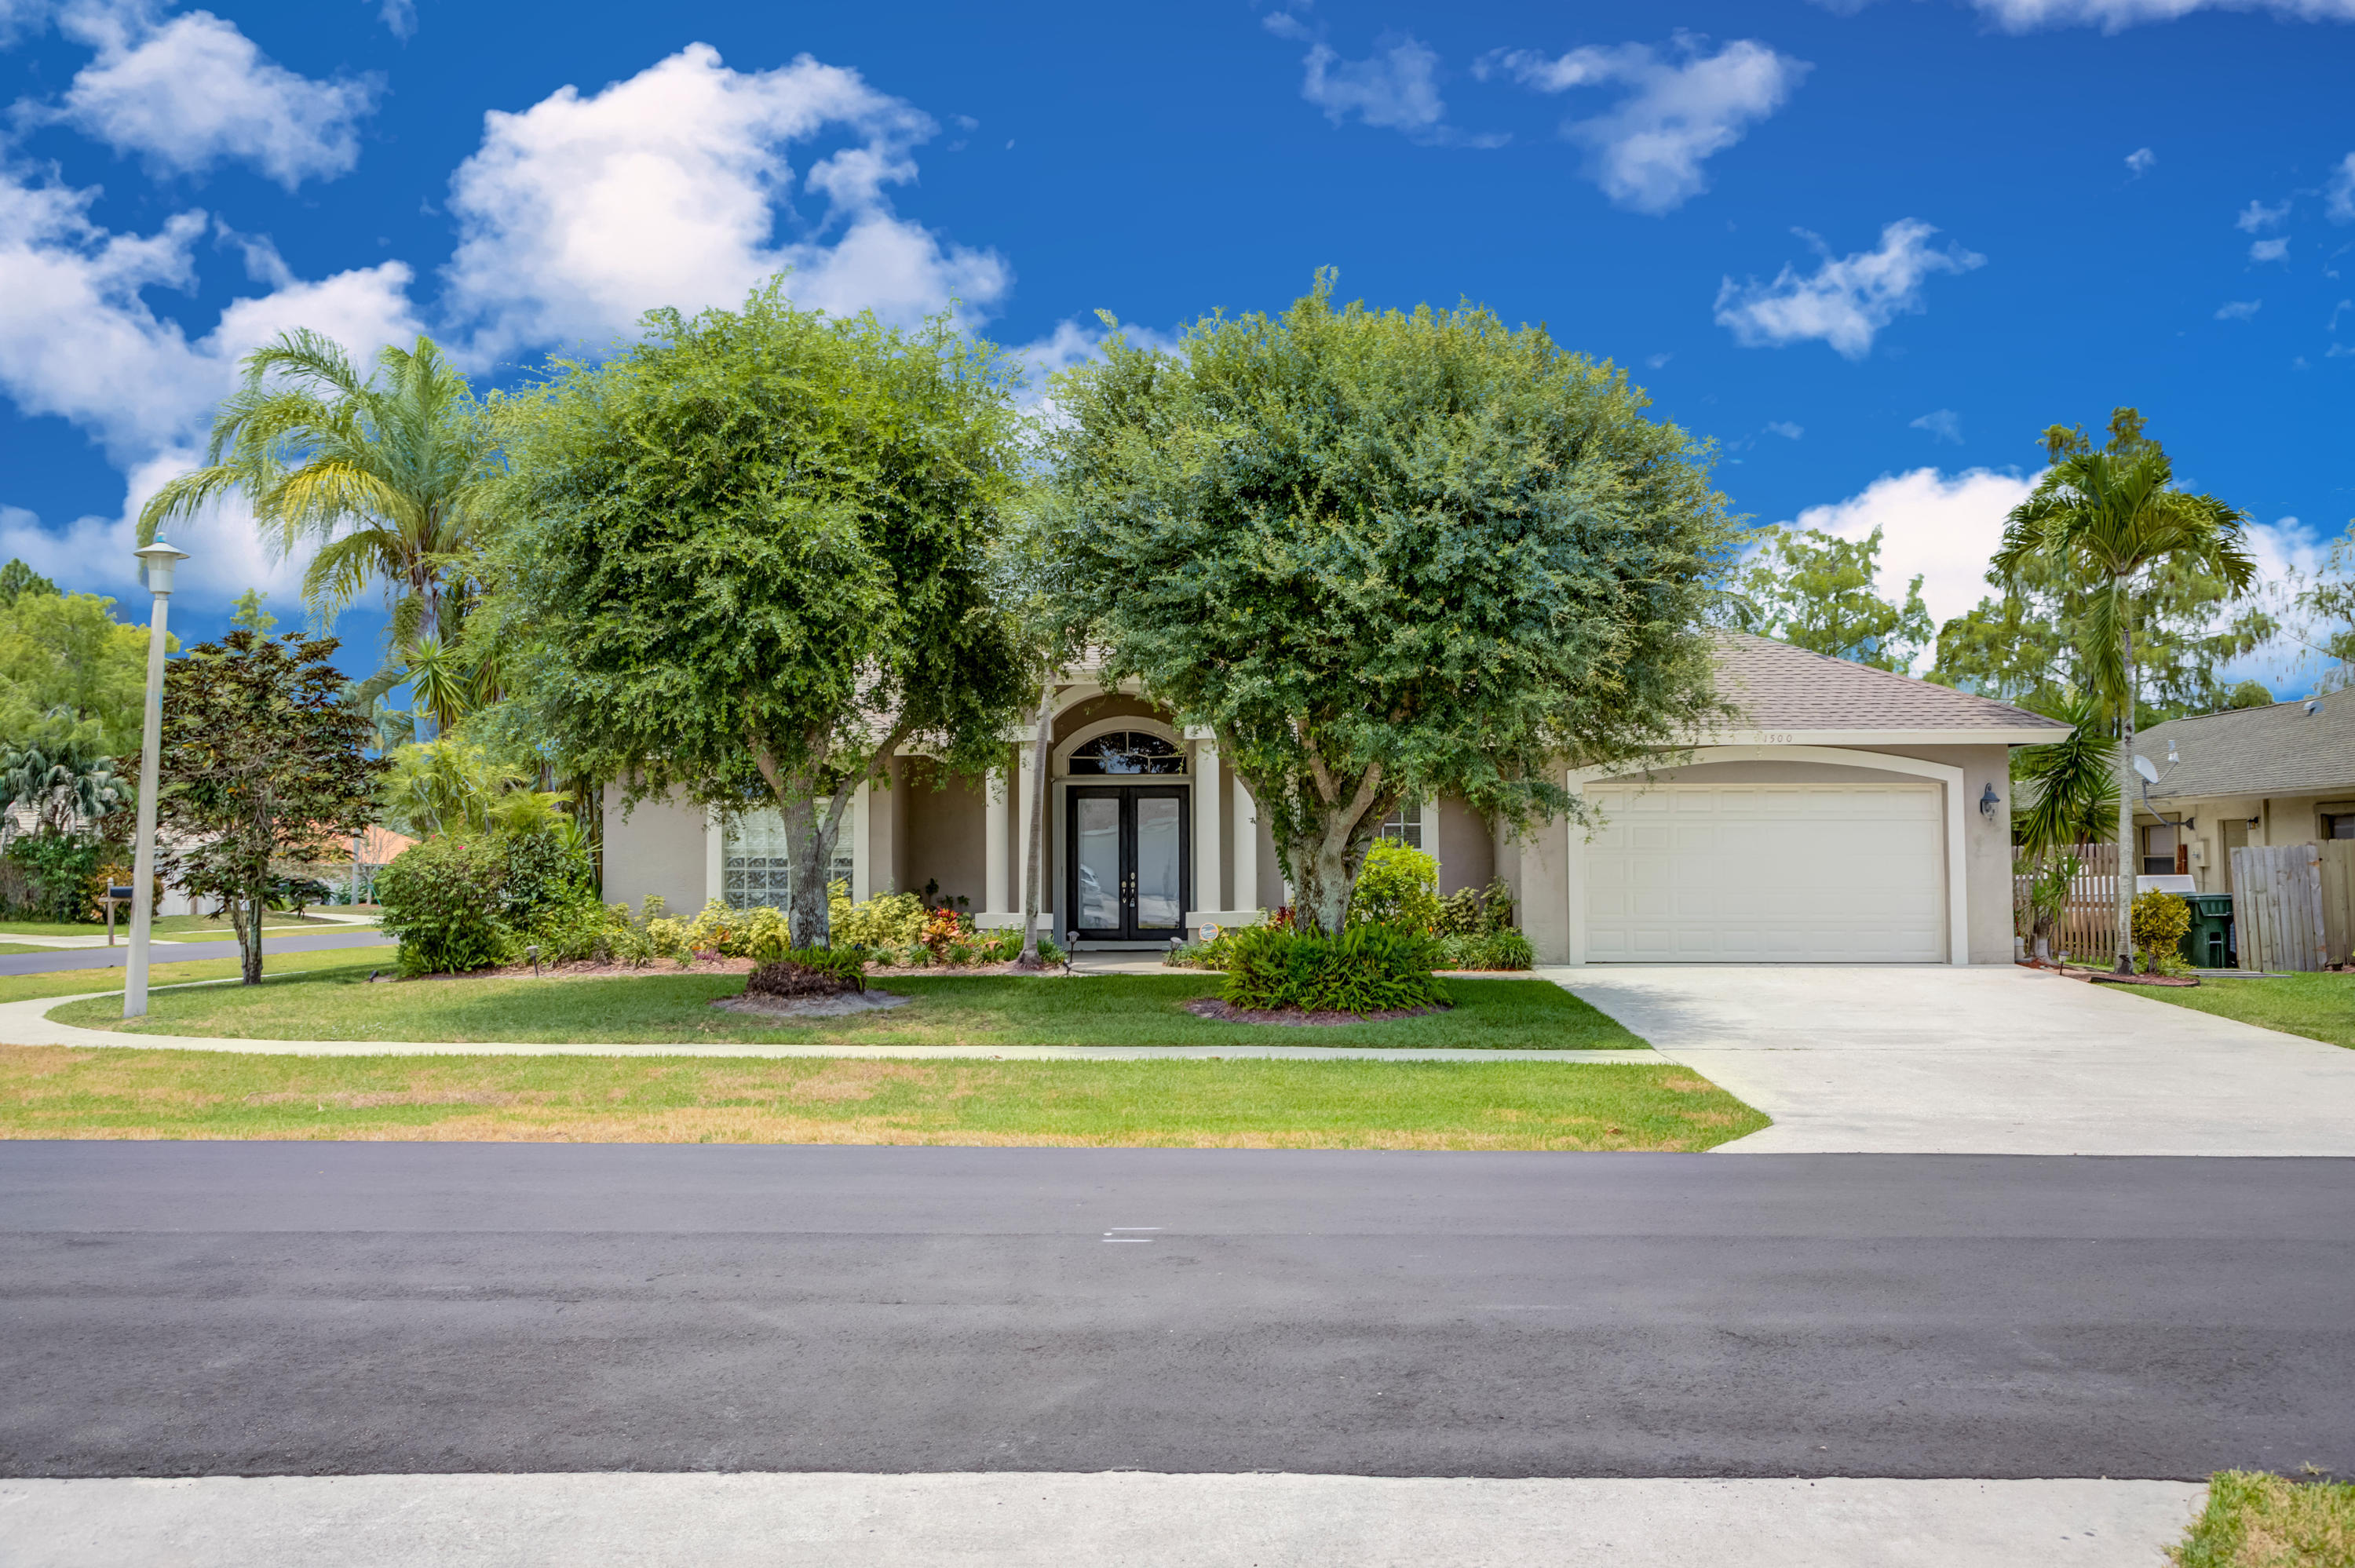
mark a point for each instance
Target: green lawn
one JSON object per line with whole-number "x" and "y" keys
{"x": 74, "y": 982}
{"x": 2257, "y": 1521}
{"x": 173, "y": 928}
{"x": 2318, "y": 1006}
{"x": 107, "y": 1092}
{"x": 335, "y": 1003}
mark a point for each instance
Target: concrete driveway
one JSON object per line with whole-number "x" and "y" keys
{"x": 1994, "y": 1059}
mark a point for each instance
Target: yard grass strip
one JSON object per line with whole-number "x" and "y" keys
{"x": 65, "y": 1092}
{"x": 2318, "y": 1006}
{"x": 77, "y": 982}
{"x": 2258, "y": 1520}
{"x": 333, "y": 1002}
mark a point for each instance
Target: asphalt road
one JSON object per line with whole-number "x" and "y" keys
{"x": 319, "y": 1309}
{"x": 115, "y": 958}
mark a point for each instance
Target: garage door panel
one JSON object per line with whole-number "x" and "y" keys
{"x": 1728, "y": 874}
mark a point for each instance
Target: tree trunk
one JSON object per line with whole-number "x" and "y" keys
{"x": 245, "y": 915}
{"x": 429, "y": 724}
{"x": 1034, "y": 873}
{"x": 1324, "y": 853}
{"x": 2128, "y": 862}
{"x": 809, "y": 842}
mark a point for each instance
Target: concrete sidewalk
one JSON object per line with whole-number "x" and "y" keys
{"x": 1985, "y": 1060}
{"x": 1066, "y": 1521}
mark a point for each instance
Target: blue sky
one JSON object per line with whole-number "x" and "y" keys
{"x": 1870, "y": 248}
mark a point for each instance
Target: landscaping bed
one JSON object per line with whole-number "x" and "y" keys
{"x": 656, "y": 1007}
{"x": 55, "y": 1092}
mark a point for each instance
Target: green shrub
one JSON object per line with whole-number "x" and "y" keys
{"x": 52, "y": 875}
{"x": 1399, "y": 886}
{"x": 886, "y": 920}
{"x": 1467, "y": 912}
{"x": 1367, "y": 969}
{"x": 2160, "y": 919}
{"x": 442, "y": 903}
{"x": 539, "y": 871}
{"x": 1508, "y": 949}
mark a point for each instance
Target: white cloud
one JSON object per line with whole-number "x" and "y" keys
{"x": 1847, "y": 299}
{"x": 2256, "y": 218}
{"x": 2269, "y": 250}
{"x": 1943, "y": 423}
{"x": 92, "y": 554}
{"x": 195, "y": 91}
{"x": 1945, "y": 528}
{"x": 2339, "y": 192}
{"x": 399, "y": 16}
{"x": 578, "y": 213}
{"x": 2238, "y": 309}
{"x": 1647, "y": 153}
{"x": 2114, "y": 16}
{"x": 1284, "y": 24}
{"x": 1785, "y": 429}
{"x": 1396, "y": 88}
{"x": 2141, "y": 161}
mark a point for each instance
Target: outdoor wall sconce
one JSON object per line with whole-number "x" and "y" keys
{"x": 1988, "y": 801}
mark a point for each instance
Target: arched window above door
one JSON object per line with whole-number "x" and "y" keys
{"x": 1126, "y": 751}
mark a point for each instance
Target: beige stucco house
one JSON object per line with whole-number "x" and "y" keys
{"x": 2278, "y": 775}
{"x": 1852, "y": 815}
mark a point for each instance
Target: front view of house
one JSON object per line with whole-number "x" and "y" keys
{"x": 1858, "y": 817}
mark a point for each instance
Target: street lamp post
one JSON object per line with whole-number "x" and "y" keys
{"x": 157, "y": 561}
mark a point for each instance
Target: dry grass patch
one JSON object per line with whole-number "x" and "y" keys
{"x": 66, "y": 1092}
{"x": 2254, "y": 1520}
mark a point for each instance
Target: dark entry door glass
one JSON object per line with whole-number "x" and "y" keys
{"x": 1129, "y": 858}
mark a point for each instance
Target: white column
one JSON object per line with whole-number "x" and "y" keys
{"x": 1431, "y": 836}
{"x": 993, "y": 858}
{"x": 861, "y": 877}
{"x": 1246, "y": 893}
{"x": 1208, "y": 803}
{"x": 715, "y": 854}
{"x": 1026, "y": 775}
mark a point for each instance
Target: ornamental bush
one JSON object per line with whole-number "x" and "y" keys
{"x": 2160, "y": 920}
{"x": 808, "y": 971}
{"x": 442, "y": 903}
{"x": 1397, "y": 886}
{"x": 1505, "y": 949}
{"x": 1366, "y": 969}
{"x": 886, "y": 920}
{"x": 52, "y": 875}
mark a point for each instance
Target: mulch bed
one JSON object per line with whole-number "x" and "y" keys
{"x": 2103, "y": 977}
{"x": 1210, "y": 1007}
{"x": 839, "y": 1005}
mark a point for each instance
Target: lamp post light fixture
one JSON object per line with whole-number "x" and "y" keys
{"x": 155, "y": 564}
{"x": 1990, "y": 801}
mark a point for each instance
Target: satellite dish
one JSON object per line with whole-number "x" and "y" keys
{"x": 2143, "y": 767}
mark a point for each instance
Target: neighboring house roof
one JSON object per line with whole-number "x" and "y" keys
{"x": 2281, "y": 749}
{"x": 1782, "y": 688}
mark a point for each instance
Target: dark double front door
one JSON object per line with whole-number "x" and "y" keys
{"x": 1130, "y": 860}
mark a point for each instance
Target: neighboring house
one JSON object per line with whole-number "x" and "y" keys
{"x": 1855, "y": 815}
{"x": 2278, "y": 775}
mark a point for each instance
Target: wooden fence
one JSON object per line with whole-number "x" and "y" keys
{"x": 2089, "y": 922}
{"x": 2281, "y": 918}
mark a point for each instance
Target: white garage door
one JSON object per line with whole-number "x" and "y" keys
{"x": 1767, "y": 872}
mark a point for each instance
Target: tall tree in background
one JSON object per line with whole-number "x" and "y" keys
{"x": 1384, "y": 556}
{"x": 2111, "y": 516}
{"x": 2326, "y": 605}
{"x": 750, "y": 562}
{"x": 71, "y": 676}
{"x": 260, "y": 760}
{"x": 384, "y": 474}
{"x": 1816, "y": 591}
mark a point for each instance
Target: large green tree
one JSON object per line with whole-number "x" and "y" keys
{"x": 1385, "y": 556}
{"x": 1816, "y": 591}
{"x": 262, "y": 760}
{"x": 382, "y": 476}
{"x": 749, "y": 562}
{"x": 70, "y": 673}
{"x": 2109, "y": 517}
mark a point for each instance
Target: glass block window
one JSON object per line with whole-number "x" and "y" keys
{"x": 1127, "y": 751}
{"x": 1405, "y": 825}
{"x": 753, "y": 864}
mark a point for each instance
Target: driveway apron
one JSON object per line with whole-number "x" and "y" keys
{"x": 1983, "y": 1060}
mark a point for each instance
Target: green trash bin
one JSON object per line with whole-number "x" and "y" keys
{"x": 2208, "y": 945}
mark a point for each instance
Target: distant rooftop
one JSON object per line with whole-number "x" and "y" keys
{"x": 2281, "y": 749}
{"x": 1780, "y": 687}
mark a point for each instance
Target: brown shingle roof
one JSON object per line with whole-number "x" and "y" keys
{"x": 1779, "y": 687}
{"x": 2277, "y": 750}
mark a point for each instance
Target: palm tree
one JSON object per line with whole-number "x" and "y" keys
{"x": 2066, "y": 791}
{"x": 2109, "y": 516}
{"x": 389, "y": 476}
